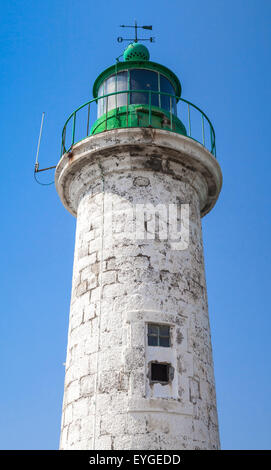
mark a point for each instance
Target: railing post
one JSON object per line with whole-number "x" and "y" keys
{"x": 211, "y": 138}
{"x": 116, "y": 96}
{"x": 213, "y": 149}
{"x": 203, "y": 135}
{"x": 212, "y": 142}
{"x": 150, "y": 116}
{"x": 170, "y": 100}
{"x": 189, "y": 122}
{"x": 88, "y": 119}
{"x": 73, "y": 127}
{"x": 106, "y": 113}
{"x": 63, "y": 141}
{"x": 127, "y": 104}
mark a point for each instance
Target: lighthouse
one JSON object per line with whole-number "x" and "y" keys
{"x": 138, "y": 170}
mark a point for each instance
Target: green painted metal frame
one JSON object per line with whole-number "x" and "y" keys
{"x": 72, "y": 117}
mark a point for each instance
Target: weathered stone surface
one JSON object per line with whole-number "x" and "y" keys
{"x": 120, "y": 284}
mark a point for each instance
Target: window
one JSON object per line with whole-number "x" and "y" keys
{"x": 110, "y": 87}
{"x": 101, "y": 101}
{"x": 113, "y": 84}
{"x": 141, "y": 79}
{"x": 167, "y": 102}
{"x": 122, "y": 85}
{"x": 158, "y": 335}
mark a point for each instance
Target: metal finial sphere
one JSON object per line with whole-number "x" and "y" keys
{"x": 136, "y": 51}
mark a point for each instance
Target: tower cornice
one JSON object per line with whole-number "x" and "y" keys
{"x": 148, "y": 150}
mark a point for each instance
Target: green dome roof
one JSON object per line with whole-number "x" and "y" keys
{"x": 136, "y": 51}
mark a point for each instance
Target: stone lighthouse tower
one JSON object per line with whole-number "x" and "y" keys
{"x": 138, "y": 171}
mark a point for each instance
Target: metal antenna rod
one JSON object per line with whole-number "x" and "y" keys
{"x": 136, "y": 40}
{"x": 38, "y": 149}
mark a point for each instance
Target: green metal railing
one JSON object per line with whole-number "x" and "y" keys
{"x": 198, "y": 126}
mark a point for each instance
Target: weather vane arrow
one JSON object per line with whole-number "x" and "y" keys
{"x": 135, "y": 39}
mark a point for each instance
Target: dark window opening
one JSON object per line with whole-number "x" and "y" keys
{"x": 158, "y": 335}
{"x": 159, "y": 372}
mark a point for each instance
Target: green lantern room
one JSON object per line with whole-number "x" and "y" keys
{"x": 136, "y": 92}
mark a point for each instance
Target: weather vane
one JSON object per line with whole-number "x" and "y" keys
{"x": 135, "y": 39}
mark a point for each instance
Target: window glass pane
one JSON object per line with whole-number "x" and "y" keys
{"x": 100, "y": 102}
{"x": 143, "y": 80}
{"x": 166, "y": 87}
{"x": 164, "y": 330}
{"x": 122, "y": 84}
{"x": 110, "y": 87}
{"x": 164, "y": 341}
{"x": 152, "y": 329}
{"x": 152, "y": 340}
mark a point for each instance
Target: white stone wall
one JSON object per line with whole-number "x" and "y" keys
{"x": 121, "y": 285}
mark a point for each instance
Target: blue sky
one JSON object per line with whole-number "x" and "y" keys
{"x": 51, "y": 53}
